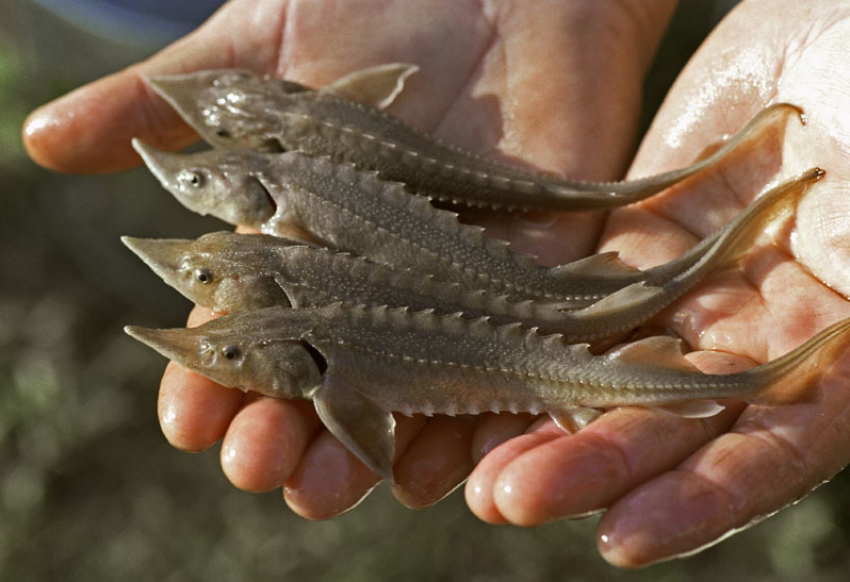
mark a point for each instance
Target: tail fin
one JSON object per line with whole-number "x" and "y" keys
{"x": 789, "y": 378}
{"x": 634, "y": 190}
{"x": 776, "y": 203}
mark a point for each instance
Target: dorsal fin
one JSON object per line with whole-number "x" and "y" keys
{"x": 376, "y": 86}
{"x": 602, "y": 265}
{"x": 620, "y": 299}
{"x": 661, "y": 351}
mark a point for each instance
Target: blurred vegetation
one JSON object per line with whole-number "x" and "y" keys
{"x": 89, "y": 488}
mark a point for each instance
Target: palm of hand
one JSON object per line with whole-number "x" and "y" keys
{"x": 505, "y": 81}
{"x": 673, "y": 485}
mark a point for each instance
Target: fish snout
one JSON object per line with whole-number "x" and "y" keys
{"x": 181, "y": 345}
{"x": 162, "y": 164}
{"x": 163, "y": 256}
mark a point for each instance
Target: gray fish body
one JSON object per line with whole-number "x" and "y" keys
{"x": 356, "y": 212}
{"x": 236, "y": 109}
{"x": 245, "y": 272}
{"x": 360, "y": 364}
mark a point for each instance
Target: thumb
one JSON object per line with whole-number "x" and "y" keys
{"x": 89, "y": 129}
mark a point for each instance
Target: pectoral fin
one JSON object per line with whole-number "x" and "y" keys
{"x": 366, "y": 429}
{"x": 692, "y": 408}
{"x": 376, "y": 86}
{"x": 573, "y": 420}
{"x": 600, "y": 266}
{"x": 620, "y": 300}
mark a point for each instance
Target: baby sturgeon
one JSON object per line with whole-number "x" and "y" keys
{"x": 360, "y": 364}
{"x": 231, "y": 273}
{"x": 349, "y": 210}
{"x": 237, "y": 108}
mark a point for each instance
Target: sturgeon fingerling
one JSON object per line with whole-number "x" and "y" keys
{"x": 360, "y": 364}
{"x": 237, "y": 109}
{"x": 353, "y": 211}
{"x": 229, "y": 272}
{"x": 369, "y": 301}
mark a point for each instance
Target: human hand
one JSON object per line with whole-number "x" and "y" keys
{"x": 670, "y": 485}
{"x": 540, "y": 82}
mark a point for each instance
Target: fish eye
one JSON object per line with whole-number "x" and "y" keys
{"x": 203, "y": 275}
{"x": 231, "y": 352}
{"x": 221, "y": 132}
{"x": 191, "y": 177}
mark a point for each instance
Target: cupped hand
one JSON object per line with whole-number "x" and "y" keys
{"x": 670, "y": 486}
{"x": 552, "y": 84}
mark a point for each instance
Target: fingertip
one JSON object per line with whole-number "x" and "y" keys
{"x": 89, "y": 130}
{"x": 673, "y": 515}
{"x": 571, "y": 476}
{"x": 511, "y": 497}
{"x": 480, "y": 490}
{"x": 194, "y": 412}
{"x": 265, "y": 441}
{"x": 328, "y": 481}
{"x": 615, "y": 553}
{"x": 435, "y": 463}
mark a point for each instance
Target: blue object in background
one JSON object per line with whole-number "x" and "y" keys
{"x": 140, "y": 23}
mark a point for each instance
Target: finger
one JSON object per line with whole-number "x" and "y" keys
{"x": 437, "y": 460}
{"x": 99, "y": 119}
{"x": 329, "y": 480}
{"x": 773, "y": 457}
{"x": 574, "y": 475}
{"x": 492, "y": 430}
{"x": 265, "y": 442}
{"x": 194, "y": 412}
{"x": 546, "y": 474}
{"x": 762, "y": 311}
{"x": 480, "y": 488}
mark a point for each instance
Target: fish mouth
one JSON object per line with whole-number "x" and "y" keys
{"x": 181, "y": 345}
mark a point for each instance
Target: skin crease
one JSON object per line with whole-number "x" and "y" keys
{"x": 534, "y": 83}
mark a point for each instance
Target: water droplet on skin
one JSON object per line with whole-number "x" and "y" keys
{"x": 228, "y": 453}
{"x": 40, "y": 123}
{"x": 169, "y": 417}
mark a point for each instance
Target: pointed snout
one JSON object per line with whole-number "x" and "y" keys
{"x": 180, "y": 344}
{"x": 186, "y": 92}
{"x": 163, "y": 256}
{"x": 174, "y": 88}
{"x": 161, "y": 163}
{"x": 181, "y": 90}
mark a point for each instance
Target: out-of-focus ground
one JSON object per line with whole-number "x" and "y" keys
{"x": 90, "y": 489}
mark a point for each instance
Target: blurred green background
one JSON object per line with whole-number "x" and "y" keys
{"x": 89, "y": 488}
